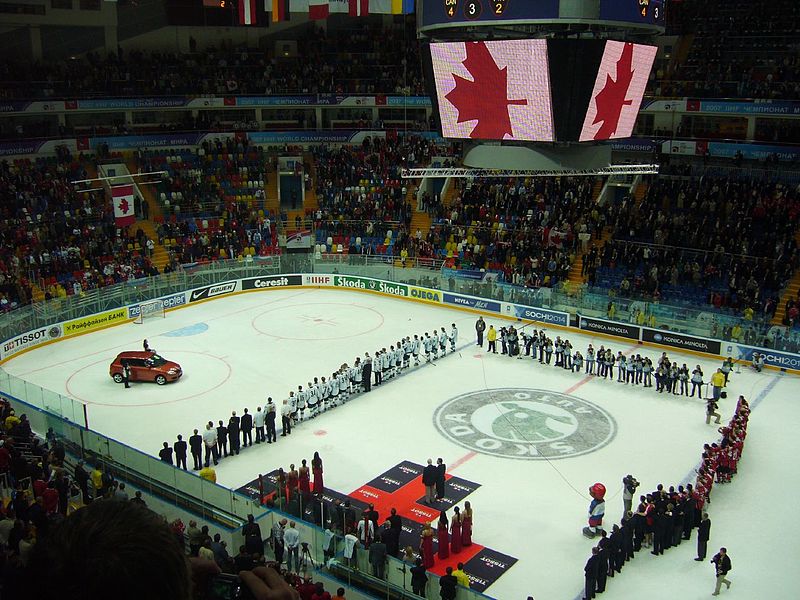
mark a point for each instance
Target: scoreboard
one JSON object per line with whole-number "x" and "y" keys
{"x": 443, "y": 13}
{"x": 648, "y": 12}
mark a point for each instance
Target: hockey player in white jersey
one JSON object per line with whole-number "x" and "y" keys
{"x": 426, "y": 344}
{"x": 415, "y": 344}
{"x": 344, "y": 384}
{"x": 311, "y": 400}
{"x": 453, "y": 337}
{"x": 301, "y": 402}
{"x": 293, "y": 406}
{"x": 434, "y": 345}
{"x": 324, "y": 393}
{"x": 357, "y": 374}
{"x": 334, "y": 385}
{"x": 443, "y": 341}
{"x": 407, "y": 348}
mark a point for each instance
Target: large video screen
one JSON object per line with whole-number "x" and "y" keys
{"x": 618, "y": 90}
{"x": 494, "y": 90}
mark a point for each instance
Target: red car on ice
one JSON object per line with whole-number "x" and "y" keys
{"x": 145, "y": 366}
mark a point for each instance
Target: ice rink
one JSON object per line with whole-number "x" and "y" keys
{"x": 533, "y": 498}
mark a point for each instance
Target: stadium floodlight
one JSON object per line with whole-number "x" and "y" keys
{"x": 420, "y": 173}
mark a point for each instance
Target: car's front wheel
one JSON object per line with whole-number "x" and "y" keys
{"x": 161, "y": 380}
{"x": 117, "y": 378}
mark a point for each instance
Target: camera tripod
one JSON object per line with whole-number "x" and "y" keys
{"x": 305, "y": 556}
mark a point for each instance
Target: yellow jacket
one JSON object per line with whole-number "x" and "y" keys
{"x": 461, "y": 577}
{"x": 718, "y": 379}
{"x": 209, "y": 474}
{"x": 491, "y": 335}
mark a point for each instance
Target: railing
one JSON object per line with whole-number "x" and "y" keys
{"x": 47, "y": 409}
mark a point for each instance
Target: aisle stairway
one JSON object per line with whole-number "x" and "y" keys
{"x": 575, "y": 277}
{"x": 790, "y": 293}
{"x": 160, "y": 256}
{"x": 420, "y": 219}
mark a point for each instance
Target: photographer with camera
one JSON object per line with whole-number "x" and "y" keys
{"x": 629, "y": 485}
{"x": 711, "y": 410}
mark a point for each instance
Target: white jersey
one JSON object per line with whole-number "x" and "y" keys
{"x": 301, "y": 396}
{"x": 426, "y": 341}
{"x": 398, "y": 356}
{"x": 356, "y": 373}
{"x": 312, "y": 395}
{"x": 344, "y": 382}
{"x": 453, "y": 335}
{"x": 292, "y": 402}
{"x": 415, "y": 347}
{"x": 442, "y": 339}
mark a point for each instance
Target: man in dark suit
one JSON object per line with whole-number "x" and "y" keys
{"x": 180, "y": 452}
{"x": 429, "y": 476}
{"x": 196, "y": 445}
{"x": 377, "y": 557}
{"x": 166, "y": 454}
{"x": 590, "y": 571}
{"x": 703, "y": 535}
{"x": 603, "y": 556}
{"x": 222, "y": 440}
{"x": 366, "y": 373}
{"x": 271, "y": 414}
{"x": 247, "y": 429}
{"x": 447, "y": 585}
{"x": 233, "y": 433}
{"x": 441, "y": 478}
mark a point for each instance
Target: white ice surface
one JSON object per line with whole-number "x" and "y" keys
{"x": 262, "y": 344}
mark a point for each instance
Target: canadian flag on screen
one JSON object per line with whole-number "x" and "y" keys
{"x": 494, "y": 90}
{"x": 122, "y": 196}
{"x": 618, "y": 90}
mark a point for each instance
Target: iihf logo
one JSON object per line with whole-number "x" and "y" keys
{"x": 525, "y": 423}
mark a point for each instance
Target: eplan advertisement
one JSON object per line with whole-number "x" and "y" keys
{"x": 168, "y": 303}
{"x": 271, "y": 281}
{"x": 531, "y": 313}
{"x": 773, "y": 358}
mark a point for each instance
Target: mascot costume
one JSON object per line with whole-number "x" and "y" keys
{"x": 597, "y": 509}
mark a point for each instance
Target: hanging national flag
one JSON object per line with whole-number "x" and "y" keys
{"x": 318, "y": 9}
{"x": 247, "y": 12}
{"x": 391, "y": 7}
{"x": 359, "y": 8}
{"x": 122, "y": 197}
{"x": 339, "y": 6}
{"x": 280, "y": 10}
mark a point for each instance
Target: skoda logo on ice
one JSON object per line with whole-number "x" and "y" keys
{"x": 525, "y": 423}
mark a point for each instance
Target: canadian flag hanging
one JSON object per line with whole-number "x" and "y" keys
{"x": 318, "y": 9}
{"x": 359, "y": 8}
{"x": 247, "y": 12}
{"x": 122, "y": 196}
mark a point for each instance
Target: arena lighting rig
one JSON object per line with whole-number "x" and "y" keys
{"x": 644, "y": 169}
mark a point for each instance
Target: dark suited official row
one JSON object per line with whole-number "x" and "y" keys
{"x": 664, "y": 519}
{"x": 228, "y": 438}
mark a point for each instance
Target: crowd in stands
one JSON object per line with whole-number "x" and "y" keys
{"x": 360, "y": 192}
{"x": 529, "y": 229}
{"x": 740, "y": 49}
{"x": 665, "y": 518}
{"x": 728, "y": 241}
{"x": 213, "y": 201}
{"x": 366, "y": 60}
{"x": 56, "y": 241}
{"x": 54, "y": 508}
